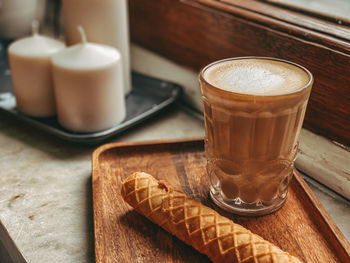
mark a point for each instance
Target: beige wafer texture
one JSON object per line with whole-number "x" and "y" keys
{"x": 198, "y": 225}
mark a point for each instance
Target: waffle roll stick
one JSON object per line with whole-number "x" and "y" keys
{"x": 198, "y": 225}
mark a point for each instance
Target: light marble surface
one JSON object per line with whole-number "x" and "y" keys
{"x": 325, "y": 161}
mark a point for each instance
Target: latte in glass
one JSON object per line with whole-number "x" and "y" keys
{"x": 254, "y": 109}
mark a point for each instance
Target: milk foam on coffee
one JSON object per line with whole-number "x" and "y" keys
{"x": 256, "y": 76}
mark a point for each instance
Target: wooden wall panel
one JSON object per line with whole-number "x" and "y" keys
{"x": 194, "y": 34}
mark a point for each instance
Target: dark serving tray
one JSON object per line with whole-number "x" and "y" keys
{"x": 148, "y": 97}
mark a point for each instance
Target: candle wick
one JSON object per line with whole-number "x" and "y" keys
{"x": 82, "y": 34}
{"x": 35, "y": 27}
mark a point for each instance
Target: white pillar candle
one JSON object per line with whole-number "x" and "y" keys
{"x": 30, "y": 63}
{"x": 105, "y": 22}
{"x": 88, "y": 87}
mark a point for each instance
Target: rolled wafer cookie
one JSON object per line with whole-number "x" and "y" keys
{"x": 198, "y": 225}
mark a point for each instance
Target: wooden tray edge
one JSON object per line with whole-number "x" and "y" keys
{"x": 109, "y": 146}
{"x": 332, "y": 227}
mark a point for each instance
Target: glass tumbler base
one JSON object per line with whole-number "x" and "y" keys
{"x": 237, "y": 206}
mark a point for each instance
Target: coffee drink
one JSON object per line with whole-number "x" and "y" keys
{"x": 254, "y": 109}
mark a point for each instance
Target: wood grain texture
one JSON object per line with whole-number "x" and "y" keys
{"x": 294, "y": 20}
{"x": 195, "y": 33}
{"x": 301, "y": 227}
{"x": 322, "y": 11}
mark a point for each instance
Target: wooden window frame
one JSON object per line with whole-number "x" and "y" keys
{"x": 194, "y": 33}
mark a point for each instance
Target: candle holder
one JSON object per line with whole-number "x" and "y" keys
{"x": 149, "y": 96}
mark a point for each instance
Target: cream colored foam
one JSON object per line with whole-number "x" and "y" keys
{"x": 256, "y": 76}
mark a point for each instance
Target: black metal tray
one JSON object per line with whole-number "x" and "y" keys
{"x": 148, "y": 97}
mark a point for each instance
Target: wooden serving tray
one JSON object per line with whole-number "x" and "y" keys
{"x": 302, "y": 227}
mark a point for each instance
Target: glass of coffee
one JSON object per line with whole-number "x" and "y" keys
{"x": 254, "y": 109}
